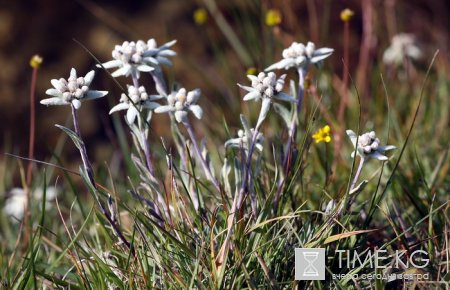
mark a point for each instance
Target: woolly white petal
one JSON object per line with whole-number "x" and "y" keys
{"x": 197, "y": 110}
{"x": 193, "y": 96}
{"x": 54, "y": 102}
{"x": 252, "y": 95}
{"x": 164, "y": 60}
{"x": 352, "y": 136}
{"x": 145, "y": 68}
{"x": 284, "y": 97}
{"x": 150, "y": 105}
{"x": 131, "y": 114}
{"x": 119, "y": 107}
{"x": 318, "y": 58}
{"x": 248, "y": 89}
{"x": 88, "y": 78}
{"x": 163, "y": 109}
{"x": 378, "y": 155}
{"x": 57, "y": 84}
{"x": 265, "y": 106}
{"x": 92, "y": 95}
{"x": 386, "y": 148}
{"x": 282, "y": 64}
{"x": 110, "y": 64}
{"x": 54, "y": 92}
{"x": 180, "y": 116}
{"x": 123, "y": 71}
{"x": 73, "y": 73}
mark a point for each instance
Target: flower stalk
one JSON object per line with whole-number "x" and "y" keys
{"x": 205, "y": 165}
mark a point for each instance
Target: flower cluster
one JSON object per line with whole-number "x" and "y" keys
{"x": 135, "y": 57}
{"x": 180, "y": 102}
{"x": 322, "y": 135}
{"x": 72, "y": 91}
{"x": 403, "y": 46}
{"x": 266, "y": 86}
{"x": 299, "y": 55}
{"x": 137, "y": 98}
{"x": 243, "y": 141}
{"x": 369, "y": 145}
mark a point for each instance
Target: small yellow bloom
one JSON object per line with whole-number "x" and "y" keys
{"x": 200, "y": 16}
{"x": 322, "y": 135}
{"x": 273, "y": 17}
{"x": 347, "y": 14}
{"x": 36, "y": 61}
{"x": 251, "y": 71}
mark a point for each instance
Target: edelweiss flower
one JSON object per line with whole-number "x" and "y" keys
{"x": 72, "y": 91}
{"x": 266, "y": 88}
{"x": 369, "y": 145}
{"x": 403, "y": 46}
{"x": 300, "y": 56}
{"x": 135, "y": 57}
{"x": 243, "y": 141}
{"x": 140, "y": 99}
{"x": 180, "y": 103}
{"x": 15, "y": 204}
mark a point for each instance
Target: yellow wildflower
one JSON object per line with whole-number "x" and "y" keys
{"x": 251, "y": 71}
{"x": 322, "y": 135}
{"x": 273, "y": 17}
{"x": 36, "y": 61}
{"x": 200, "y": 16}
{"x": 347, "y": 14}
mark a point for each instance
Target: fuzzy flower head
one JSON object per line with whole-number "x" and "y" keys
{"x": 299, "y": 55}
{"x": 403, "y": 46}
{"x": 136, "y": 100}
{"x": 322, "y": 135}
{"x": 266, "y": 87}
{"x": 17, "y": 197}
{"x": 72, "y": 91}
{"x": 244, "y": 140}
{"x": 368, "y": 145}
{"x": 180, "y": 103}
{"x": 140, "y": 56}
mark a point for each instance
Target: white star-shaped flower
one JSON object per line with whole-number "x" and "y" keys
{"x": 243, "y": 141}
{"x": 299, "y": 55}
{"x": 266, "y": 87}
{"x": 140, "y": 99}
{"x": 403, "y": 46}
{"x": 181, "y": 102}
{"x": 368, "y": 145}
{"x": 136, "y": 57}
{"x": 72, "y": 91}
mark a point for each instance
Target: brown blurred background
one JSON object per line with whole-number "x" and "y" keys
{"x": 205, "y": 57}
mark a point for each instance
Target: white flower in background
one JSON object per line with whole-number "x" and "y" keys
{"x": 181, "y": 102}
{"x": 368, "y": 145}
{"x": 140, "y": 99}
{"x": 15, "y": 204}
{"x": 135, "y": 57}
{"x": 243, "y": 141}
{"x": 72, "y": 91}
{"x": 403, "y": 46}
{"x": 300, "y": 56}
{"x": 266, "y": 87}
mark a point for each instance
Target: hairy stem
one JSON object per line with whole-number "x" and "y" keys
{"x": 88, "y": 167}
{"x": 358, "y": 172}
{"x": 205, "y": 166}
{"x": 32, "y": 124}
{"x": 146, "y": 145}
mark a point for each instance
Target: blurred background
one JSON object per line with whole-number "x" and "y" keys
{"x": 218, "y": 44}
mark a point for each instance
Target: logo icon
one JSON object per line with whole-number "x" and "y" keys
{"x": 309, "y": 264}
